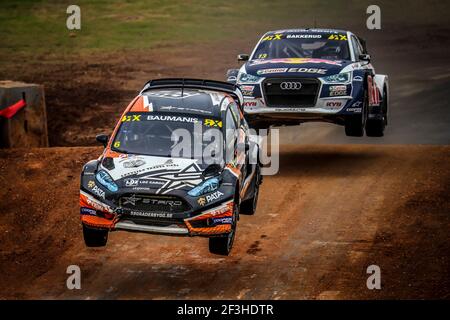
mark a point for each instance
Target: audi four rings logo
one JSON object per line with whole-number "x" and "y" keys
{"x": 290, "y": 85}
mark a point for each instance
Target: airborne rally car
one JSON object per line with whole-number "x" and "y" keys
{"x": 300, "y": 75}
{"x": 179, "y": 162}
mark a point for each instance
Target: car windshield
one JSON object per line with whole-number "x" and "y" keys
{"x": 303, "y": 45}
{"x": 168, "y": 135}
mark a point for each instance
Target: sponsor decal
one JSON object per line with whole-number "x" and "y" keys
{"x": 131, "y": 182}
{"x": 212, "y": 123}
{"x": 277, "y": 36}
{"x": 223, "y": 220}
{"x": 213, "y": 196}
{"x": 201, "y": 201}
{"x": 247, "y": 90}
{"x": 91, "y": 184}
{"x": 97, "y": 191}
{"x": 96, "y": 204}
{"x": 209, "y": 198}
{"x": 134, "y": 117}
{"x": 143, "y": 170}
{"x": 303, "y": 36}
{"x": 308, "y": 70}
{"x": 88, "y": 211}
{"x": 133, "y": 163}
{"x": 150, "y": 214}
{"x": 339, "y": 37}
{"x": 273, "y": 70}
{"x": 297, "y": 61}
{"x": 357, "y": 78}
{"x": 250, "y": 104}
{"x": 333, "y": 104}
{"x": 173, "y": 94}
{"x": 356, "y": 107}
{"x": 133, "y": 200}
{"x": 172, "y": 118}
{"x": 338, "y": 90}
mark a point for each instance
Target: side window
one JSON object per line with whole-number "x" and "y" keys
{"x": 356, "y": 48}
{"x": 230, "y": 136}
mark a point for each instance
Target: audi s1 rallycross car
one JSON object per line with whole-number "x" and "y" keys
{"x": 152, "y": 178}
{"x": 301, "y": 75}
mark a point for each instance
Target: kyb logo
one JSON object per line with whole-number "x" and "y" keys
{"x": 290, "y": 85}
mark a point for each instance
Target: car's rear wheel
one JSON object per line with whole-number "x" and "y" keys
{"x": 223, "y": 245}
{"x": 248, "y": 207}
{"x": 375, "y": 127}
{"x": 95, "y": 237}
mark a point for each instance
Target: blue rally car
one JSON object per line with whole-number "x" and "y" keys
{"x": 301, "y": 75}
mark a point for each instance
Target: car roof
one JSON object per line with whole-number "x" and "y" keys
{"x": 307, "y": 30}
{"x": 186, "y": 101}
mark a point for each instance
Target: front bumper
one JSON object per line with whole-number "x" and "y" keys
{"x": 214, "y": 221}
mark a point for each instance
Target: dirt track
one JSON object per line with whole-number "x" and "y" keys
{"x": 330, "y": 212}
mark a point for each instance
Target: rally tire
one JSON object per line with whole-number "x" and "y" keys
{"x": 95, "y": 237}
{"x": 375, "y": 127}
{"x": 248, "y": 207}
{"x": 222, "y": 245}
{"x": 354, "y": 124}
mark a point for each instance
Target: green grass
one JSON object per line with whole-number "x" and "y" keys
{"x": 40, "y": 26}
{"x": 31, "y": 27}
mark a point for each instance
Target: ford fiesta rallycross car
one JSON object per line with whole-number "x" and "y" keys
{"x": 141, "y": 184}
{"x": 300, "y": 75}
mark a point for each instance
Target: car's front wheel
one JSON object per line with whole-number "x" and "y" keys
{"x": 354, "y": 124}
{"x": 95, "y": 237}
{"x": 248, "y": 206}
{"x": 223, "y": 245}
{"x": 375, "y": 127}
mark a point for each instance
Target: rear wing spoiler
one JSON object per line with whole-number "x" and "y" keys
{"x": 213, "y": 85}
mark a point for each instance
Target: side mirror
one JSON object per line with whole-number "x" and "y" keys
{"x": 243, "y": 57}
{"x": 364, "y": 57}
{"x": 232, "y": 75}
{"x": 103, "y": 139}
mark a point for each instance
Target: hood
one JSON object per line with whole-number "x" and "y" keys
{"x": 303, "y": 67}
{"x": 149, "y": 172}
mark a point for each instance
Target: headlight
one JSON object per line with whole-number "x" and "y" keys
{"x": 247, "y": 78}
{"x": 207, "y": 186}
{"x": 105, "y": 180}
{"x": 338, "y": 78}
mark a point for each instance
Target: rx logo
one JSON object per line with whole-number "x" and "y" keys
{"x": 134, "y": 117}
{"x": 273, "y": 37}
{"x": 213, "y": 123}
{"x": 340, "y": 37}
